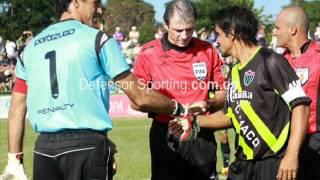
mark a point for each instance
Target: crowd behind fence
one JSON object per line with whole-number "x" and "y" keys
{"x": 10, "y": 51}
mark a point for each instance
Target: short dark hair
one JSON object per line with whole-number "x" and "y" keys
{"x": 61, "y": 6}
{"x": 241, "y": 21}
{"x": 184, "y": 8}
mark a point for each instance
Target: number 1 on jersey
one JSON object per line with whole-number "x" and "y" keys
{"x": 51, "y": 55}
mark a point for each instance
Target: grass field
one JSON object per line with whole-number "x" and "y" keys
{"x": 130, "y": 136}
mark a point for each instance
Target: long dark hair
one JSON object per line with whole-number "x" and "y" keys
{"x": 239, "y": 20}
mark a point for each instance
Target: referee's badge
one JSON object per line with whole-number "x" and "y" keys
{"x": 200, "y": 70}
{"x": 303, "y": 74}
{"x": 248, "y": 77}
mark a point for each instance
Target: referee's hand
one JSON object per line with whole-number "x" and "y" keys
{"x": 200, "y": 107}
{"x": 288, "y": 167}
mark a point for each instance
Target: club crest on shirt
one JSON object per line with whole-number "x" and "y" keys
{"x": 303, "y": 74}
{"x": 200, "y": 70}
{"x": 225, "y": 70}
{"x": 248, "y": 77}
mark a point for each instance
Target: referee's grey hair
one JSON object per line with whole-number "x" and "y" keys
{"x": 184, "y": 8}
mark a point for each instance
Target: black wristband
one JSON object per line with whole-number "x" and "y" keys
{"x": 180, "y": 110}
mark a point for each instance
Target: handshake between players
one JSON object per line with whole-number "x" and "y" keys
{"x": 186, "y": 127}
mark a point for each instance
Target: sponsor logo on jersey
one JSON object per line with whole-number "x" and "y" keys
{"x": 250, "y": 135}
{"x": 55, "y": 36}
{"x": 233, "y": 95}
{"x": 200, "y": 70}
{"x": 303, "y": 74}
{"x": 245, "y": 129}
{"x": 248, "y": 77}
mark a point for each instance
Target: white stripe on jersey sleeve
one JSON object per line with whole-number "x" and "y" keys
{"x": 293, "y": 93}
{"x": 104, "y": 38}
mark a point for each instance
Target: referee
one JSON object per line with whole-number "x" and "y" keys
{"x": 62, "y": 82}
{"x": 304, "y": 56}
{"x": 183, "y": 68}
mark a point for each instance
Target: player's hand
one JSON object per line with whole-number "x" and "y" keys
{"x": 114, "y": 168}
{"x": 288, "y": 167}
{"x": 175, "y": 128}
{"x": 14, "y": 169}
{"x": 113, "y": 152}
{"x": 200, "y": 107}
{"x": 184, "y": 129}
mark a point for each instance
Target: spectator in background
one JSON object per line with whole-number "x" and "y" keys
{"x": 29, "y": 36}
{"x": 317, "y": 33}
{"x": 203, "y": 34}
{"x": 6, "y": 76}
{"x": 261, "y": 36}
{"x": 135, "y": 52}
{"x": 134, "y": 35}
{"x": 98, "y": 21}
{"x": 213, "y": 38}
{"x": 2, "y": 49}
{"x": 2, "y": 77}
{"x": 11, "y": 51}
{"x": 159, "y": 33}
{"x": 195, "y": 34}
{"x": 20, "y": 42}
{"x": 118, "y": 35}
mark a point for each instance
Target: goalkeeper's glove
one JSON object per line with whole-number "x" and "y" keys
{"x": 14, "y": 169}
{"x": 184, "y": 129}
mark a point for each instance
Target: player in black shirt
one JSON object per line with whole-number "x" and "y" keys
{"x": 265, "y": 103}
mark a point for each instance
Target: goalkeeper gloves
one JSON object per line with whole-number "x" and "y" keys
{"x": 14, "y": 169}
{"x": 185, "y": 128}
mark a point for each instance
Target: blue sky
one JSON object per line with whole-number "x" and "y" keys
{"x": 272, "y": 7}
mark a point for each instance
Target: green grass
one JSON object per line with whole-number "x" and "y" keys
{"x": 130, "y": 136}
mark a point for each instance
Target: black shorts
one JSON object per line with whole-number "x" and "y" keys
{"x": 309, "y": 160}
{"x": 196, "y": 160}
{"x": 73, "y": 155}
{"x": 266, "y": 169}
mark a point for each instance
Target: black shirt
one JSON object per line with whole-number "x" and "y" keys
{"x": 259, "y": 100}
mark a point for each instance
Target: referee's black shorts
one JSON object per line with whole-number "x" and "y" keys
{"x": 196, "y": 160}
{"x": 266, "y": 169}
{"x": 309, "y": 160}
{"x": 73, "y": 155}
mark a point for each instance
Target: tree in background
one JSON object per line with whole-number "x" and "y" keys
{"x": 313, "y": 9}
{"x": 207, "y": 10}
{"x": 128, "y": 13}
{"x": 17, "y": 16}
